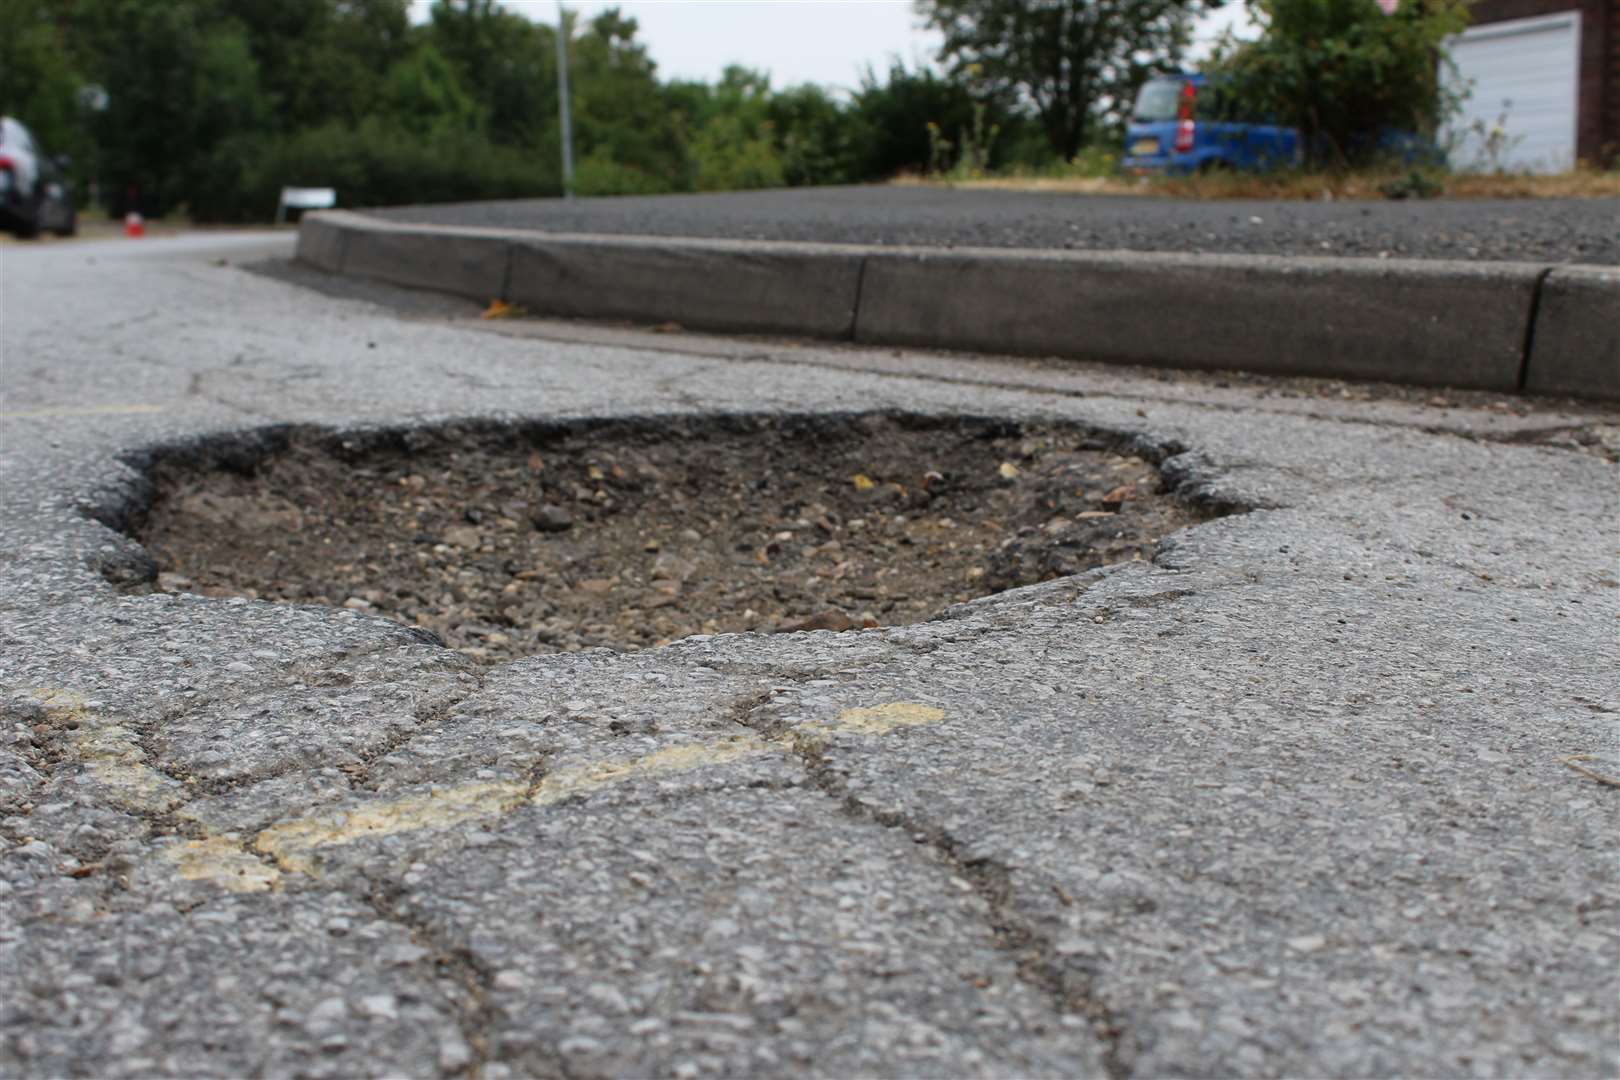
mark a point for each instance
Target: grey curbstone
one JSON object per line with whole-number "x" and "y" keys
{"x": 1450, "y": 323}
{"x": 777, "y": 288}
{"x": 321, "y": 239}
{"x": 1439, "y": 323}
{"x": 1576, "y": 345}
{"x": 464, "y": 262}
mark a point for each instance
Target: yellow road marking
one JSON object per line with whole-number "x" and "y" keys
{"x": 78, "y": 410}
{"x": 567, "y": 783}
{"x": 294, "y": 845}
{"x": 111, "y": 754}
{"x": 221, "y": 860}
{"x": 882, "y": 719}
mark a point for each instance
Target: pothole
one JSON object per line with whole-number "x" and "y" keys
{"x": 629, "y": 534}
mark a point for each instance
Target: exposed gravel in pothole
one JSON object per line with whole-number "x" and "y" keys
{"x": 632, "y": 534}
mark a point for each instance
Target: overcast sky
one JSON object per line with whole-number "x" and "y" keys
{"x": 822, "y": 41}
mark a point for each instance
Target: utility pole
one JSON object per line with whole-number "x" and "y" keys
{"x": 562, "y": 98}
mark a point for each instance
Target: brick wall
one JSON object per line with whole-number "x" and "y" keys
{"x": 1597, "y": 123}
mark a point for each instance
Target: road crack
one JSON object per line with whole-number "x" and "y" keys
{"x": 455, "y": 964}
{"x": 1068, "y": 988}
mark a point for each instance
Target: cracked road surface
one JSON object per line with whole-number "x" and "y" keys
{"x": 1327, "y": 788}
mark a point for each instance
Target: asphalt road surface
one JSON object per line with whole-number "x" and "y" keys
{"x": 1327, "y": 788}
{"x": 1532, "y": 230}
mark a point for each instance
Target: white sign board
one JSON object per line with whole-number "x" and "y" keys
{"x": 305, "y": 198}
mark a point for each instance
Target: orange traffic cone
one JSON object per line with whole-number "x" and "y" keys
{"x": 134, "y": 224}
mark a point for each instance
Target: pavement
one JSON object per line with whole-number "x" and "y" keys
{"x": 1490, "y": 295}
{"x": 1496, "y": 230}
{"x": 1328, "y": 788}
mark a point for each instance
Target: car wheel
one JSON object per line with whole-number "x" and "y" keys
{"x": 70, "y": 223}
{"x": 26, "y": 227}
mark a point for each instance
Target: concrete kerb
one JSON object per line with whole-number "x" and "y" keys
{"x": 776, "y": 288}
{"x": 1491, "y": 326}
{"x": 1458, "y": 324}
{"x": 1575, "y": 345}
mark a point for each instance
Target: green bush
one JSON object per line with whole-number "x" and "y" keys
{"x": 900, "y": 120}
{"x": 727, "y": 156}
{"x": 375, "y": 164}
{"x": 816, "y": 136}
{"x": 600, "y": 174}
{"x": 1342, "y": 71}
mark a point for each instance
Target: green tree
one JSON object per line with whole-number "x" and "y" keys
{"x": 506, "y": 63}
{"x": 1342, "y": 71}
{"x": 322, "y": 60}
{"x": 39, "y": 82}
{"x": 621, "y": 115}
{"x": 1064, "y": 59}
{"x": 423, "y": 95}
{"x": 180, "y": 80}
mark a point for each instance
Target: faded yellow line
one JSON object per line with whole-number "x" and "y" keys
{"x": 111, "y": 754}
{"x": 295, "y": 845}
{"x": 78, "y": 410}
{"x": 567, "y": 783}
{"x": 882, "y": 719}
{"x": 223, "y": 861}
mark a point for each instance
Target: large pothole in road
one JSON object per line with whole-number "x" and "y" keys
{"x": 629, "y": 534}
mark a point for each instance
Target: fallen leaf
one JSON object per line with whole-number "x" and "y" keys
{"x": 863, "y": 482}
{"x": 1008, "y": 471}
{"x": 1120, "y": 494}
{"x": 498, "y": 309}
{"x": 832, "y": 619}
{"x": 668, "y": 328}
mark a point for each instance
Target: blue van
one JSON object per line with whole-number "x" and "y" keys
{"x": 1180, "y": 125}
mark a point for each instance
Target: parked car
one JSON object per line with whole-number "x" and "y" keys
{"x": 1182, "y": 124}
{"x": 34, "y": 190}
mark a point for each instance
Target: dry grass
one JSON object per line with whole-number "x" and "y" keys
{"x": 1580, "y": 183}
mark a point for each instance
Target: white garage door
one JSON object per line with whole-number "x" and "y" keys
{"x": 1521, "y": 78}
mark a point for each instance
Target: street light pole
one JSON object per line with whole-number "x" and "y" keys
{"x": 562, "y": 98}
